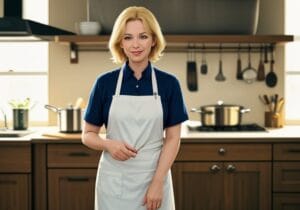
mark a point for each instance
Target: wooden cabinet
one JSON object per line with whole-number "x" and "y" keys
{"x": 71, "y": 170}
{"x": 15, "y": 176}
{"x": 213, "y": 177}
{"x": 286, "y": 177}
{"x": 71, "y": 189}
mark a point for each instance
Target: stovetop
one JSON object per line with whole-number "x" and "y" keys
{"x": 239, "y": 128}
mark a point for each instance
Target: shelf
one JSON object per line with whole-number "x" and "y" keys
{"x": 182, "y": 43}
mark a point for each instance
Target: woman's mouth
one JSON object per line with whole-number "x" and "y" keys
{"x": 136, "y": 53}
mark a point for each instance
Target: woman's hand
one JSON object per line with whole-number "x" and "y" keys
{"x": 154, "y": 195}
{"x": 120, "y": 150}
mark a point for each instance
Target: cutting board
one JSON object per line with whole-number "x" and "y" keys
{"x": 63, "y": 135}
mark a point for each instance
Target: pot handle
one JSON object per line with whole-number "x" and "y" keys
{"x": 52, "y": 108}
{"x": 245, "y": 110}
{"x": 200, "y": 111}
{"x": 196, "y": 110}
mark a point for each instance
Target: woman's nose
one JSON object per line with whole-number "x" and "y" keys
{"x": 135, "y": 42}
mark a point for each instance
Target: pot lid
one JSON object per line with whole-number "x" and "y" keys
{"x": 220, "y": 103}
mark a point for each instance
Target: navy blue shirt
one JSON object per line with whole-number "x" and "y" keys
{"x": 174, "y": 110}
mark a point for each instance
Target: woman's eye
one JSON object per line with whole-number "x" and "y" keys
{"x": 144, "y": 36}
{"x": 127, "y": 38}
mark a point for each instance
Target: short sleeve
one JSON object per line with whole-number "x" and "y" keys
{"x": 177, "y": 112}
{"x": 93, "y": 113}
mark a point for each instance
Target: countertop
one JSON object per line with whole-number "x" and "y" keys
{"x": 290, "y": 133}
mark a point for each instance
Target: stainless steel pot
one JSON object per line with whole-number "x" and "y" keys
{"x": 221, "y": 114}
{"x": 69, "y": 119}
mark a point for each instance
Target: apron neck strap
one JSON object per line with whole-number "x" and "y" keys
{"x": 120, "y": 78}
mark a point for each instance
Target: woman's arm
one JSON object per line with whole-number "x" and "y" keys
{"x": 168, "y": 154}
{"x": 119, "y": 150}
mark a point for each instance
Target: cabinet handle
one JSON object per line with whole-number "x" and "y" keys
{"x": 81, "y": 154}
{"x": 78, "y": 179}
{"x": 294, "y": 150}
{"x": 222, "y": 151}
{"x": 215, "y": 168}
{"x": 231, "y": 168}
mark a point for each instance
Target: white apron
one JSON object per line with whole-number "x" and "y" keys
{"x": 137, "y": 120}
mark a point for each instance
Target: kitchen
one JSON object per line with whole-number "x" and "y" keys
{"x": 66, "y": 84}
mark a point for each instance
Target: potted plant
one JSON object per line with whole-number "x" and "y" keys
{"x": 20, "y": 113}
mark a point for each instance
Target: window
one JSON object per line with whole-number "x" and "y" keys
{"x": 292, "y": 61}
{"x": 24, "y": 68}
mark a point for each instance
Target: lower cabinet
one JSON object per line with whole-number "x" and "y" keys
{"x": 286, "y": 177}
{"x": 71, "y": 189}
{"x": 15, "y": 191}
{"x": 15, "y": 176}
{"x": 71, "y": 170}
{"x": 223, "y": 177}
{"x": 222, "y": 186}
{"x": 206, "y": 176}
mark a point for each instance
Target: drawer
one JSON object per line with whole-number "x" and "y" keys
{"x": 224, "y": 152}
{"x": 71, "y": 156}
{"x": 15, "y": 157}
{"x": 286, "y": 176}
{"x": 286, "y": 152}
{"x": 286, "y": 201}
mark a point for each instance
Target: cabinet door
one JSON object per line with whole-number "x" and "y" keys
{"x": 71, "y": 189}
{"x": 198, "y": 186}
{"x": 15, "y": 191}
{"x": 247, "y": 186}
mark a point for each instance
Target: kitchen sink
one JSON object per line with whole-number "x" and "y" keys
{"x": 14, "y": 133}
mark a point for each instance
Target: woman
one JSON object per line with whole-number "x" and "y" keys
{"x": 136, "y": 103}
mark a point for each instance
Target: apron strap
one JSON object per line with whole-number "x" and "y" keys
{"x": 154, "y": 82}
{"x": 153, "y": 79}
{"x": 119, "y": 82}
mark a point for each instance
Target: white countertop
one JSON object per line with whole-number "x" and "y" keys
{"x": 289, "y": 131}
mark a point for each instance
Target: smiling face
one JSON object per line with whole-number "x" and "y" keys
{"x": 137, "y": 42}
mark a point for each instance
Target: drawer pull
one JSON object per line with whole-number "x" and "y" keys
{"x": 80, "y": 154}
{"x": 222, "y": 151}
{"x": 230, "y": 168}
{"x": 78, "y": 179}
{"x": 294, "y": 150}
{"x": 215, "y": 168}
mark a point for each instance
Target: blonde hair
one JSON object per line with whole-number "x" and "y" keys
{"x": 150, "y": 23}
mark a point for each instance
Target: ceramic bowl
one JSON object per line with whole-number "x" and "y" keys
{"x": 89, "y": 28}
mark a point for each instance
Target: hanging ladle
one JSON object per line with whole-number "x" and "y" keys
{"x": 249, "y": 73}
{"x": 220, "y": 77}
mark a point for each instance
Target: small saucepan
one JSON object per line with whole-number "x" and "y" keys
{"x": 221, "y": 114}
{"x": 69, "y": 119}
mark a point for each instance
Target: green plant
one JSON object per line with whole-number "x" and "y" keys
{"x": 20, "y": 104}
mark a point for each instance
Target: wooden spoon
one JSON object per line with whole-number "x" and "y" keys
{"x": 261, "y": 68}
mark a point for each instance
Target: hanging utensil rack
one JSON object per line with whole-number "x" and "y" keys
{"x": 182, "y": 43}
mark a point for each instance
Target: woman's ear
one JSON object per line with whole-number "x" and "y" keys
{"x": 153, "y": 42}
